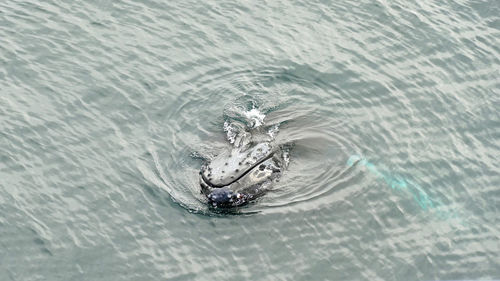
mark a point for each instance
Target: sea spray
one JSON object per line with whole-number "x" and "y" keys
{"x": 401, "y": 184}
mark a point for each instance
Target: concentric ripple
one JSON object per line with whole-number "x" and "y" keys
{"x": 273, "y": 98}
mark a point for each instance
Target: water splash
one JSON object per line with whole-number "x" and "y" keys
{"x": 231, "y": 131}
{"x": 399, "y": 183}
{"x": 255, "y": 116}
{"x": 241, "y": 115}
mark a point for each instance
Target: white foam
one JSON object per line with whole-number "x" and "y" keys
{"x": 273, "y": 131}
{"x": 255, "y": 116}
{"x": 231, "y": 132}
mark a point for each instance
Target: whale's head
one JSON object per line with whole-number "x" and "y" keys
{"x": 238, "y": 175}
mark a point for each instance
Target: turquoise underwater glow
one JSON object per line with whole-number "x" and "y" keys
{"x": 401, "y": 184}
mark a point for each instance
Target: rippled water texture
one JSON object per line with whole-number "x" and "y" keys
{"x": 108, "y": 109}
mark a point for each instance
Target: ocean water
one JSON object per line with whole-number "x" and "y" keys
{"x": 108, "y": 109}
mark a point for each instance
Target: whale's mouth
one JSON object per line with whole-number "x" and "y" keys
{"x": 237, "y": 174}
{"x": 231, "y": 166}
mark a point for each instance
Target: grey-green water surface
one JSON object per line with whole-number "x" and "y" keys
{"x": 108, "y": 108}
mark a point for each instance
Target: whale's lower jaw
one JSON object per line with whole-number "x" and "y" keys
{"x": 232, "y": 165}
{"x": 240, "y": 174}
{"x": 248, "y": 187}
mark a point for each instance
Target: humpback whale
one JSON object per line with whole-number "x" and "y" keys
{"x": 245, "y": 170}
